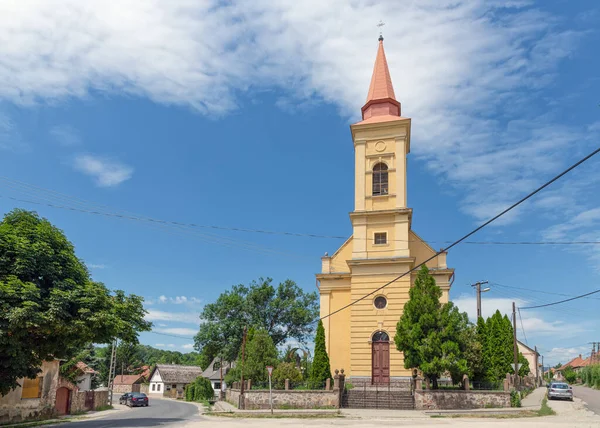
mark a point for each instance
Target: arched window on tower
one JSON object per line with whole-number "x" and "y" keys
{"x": 380, "y": 179}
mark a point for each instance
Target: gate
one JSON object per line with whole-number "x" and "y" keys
{"x": 62, "y": 400}
{"x": 392, "y": 395}
{"x": 89, "y": 400}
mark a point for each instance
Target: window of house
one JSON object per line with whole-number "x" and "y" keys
{"x": 153, "y": 387}
{"x": 32, "y": 388}
{"x": 380, "y": 179}
{"x": 216, "y": 366}
{"x": 380, "y": 238}
{"x": 158, "y": 387}
{"x": 217, "y": 386}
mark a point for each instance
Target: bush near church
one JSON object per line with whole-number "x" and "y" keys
{"x": 200, "y": 390}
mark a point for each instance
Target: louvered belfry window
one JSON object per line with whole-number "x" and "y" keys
{"x": 380, "y": 179}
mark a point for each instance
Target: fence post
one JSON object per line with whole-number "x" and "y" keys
{"x": 287, "y": 384}
{"x": 328, "y": 384}
{"x": 466, "y": 384}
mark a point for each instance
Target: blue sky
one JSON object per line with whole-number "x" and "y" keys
{"x": 237, "y": 114}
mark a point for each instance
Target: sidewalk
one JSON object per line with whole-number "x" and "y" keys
{"x": 225, "y": 407}
{"x": 534, "y": 400}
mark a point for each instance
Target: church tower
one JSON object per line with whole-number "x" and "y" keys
{"x": 382, "y": 246}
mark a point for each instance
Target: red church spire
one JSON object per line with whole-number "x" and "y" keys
{"x": 381, "y": 100}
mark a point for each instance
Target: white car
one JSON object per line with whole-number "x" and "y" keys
{"x": 560, "y": 390}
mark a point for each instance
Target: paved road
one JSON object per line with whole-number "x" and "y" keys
{"x": 590, "y": 396}
{"x": 159, "y": 412}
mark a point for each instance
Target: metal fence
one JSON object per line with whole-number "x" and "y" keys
{"x": 364, "y": 395}
{"x": 301, "y": 385}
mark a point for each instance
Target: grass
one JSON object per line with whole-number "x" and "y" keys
{"x": 545, "y": 410}
{"x": 103, "y": 408}
{"x": 522, "y": 414}
{"x": 36, "y": 423}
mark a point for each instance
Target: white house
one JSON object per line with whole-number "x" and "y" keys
{"x": 84, "y": 380}
{"x": 171, "y": 379}
{"x": 214, "y": 373}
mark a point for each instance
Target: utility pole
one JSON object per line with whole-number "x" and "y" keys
{"x": 112, "y": 371}
{"x": 537, "y": 373}
{"x": 515, "y": 347}
{"x": 221, "y": 389}
{"x": 241, "y": 405}
{"x": 477, "y": 286}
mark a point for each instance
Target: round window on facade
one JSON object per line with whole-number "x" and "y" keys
{"x": 380, "y": 302}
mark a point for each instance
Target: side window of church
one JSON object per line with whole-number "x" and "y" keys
{"x": 32, "y": 388}
{"x": 380, "y": 179}
{"x": 380, "y": 238}
{"x": 153, "y": 387}
{"x": 158, "y": 387}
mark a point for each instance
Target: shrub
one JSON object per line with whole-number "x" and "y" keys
{"x": 515, "y": 398}
{"x": 203, "y": 389}
{"x": 286, "y": 371}
{"x": 189, "y": 392}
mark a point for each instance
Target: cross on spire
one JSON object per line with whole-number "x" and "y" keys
{"x": 380, "y": 25}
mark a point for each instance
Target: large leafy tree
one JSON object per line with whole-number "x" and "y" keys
{"x": 284, "y": 312}
{"x": 49, "y": 306}
{"x": 321, "y": 369}
{"x": 430, "y": 334}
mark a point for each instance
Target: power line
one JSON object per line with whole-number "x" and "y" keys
{"x": 538, "y": 291}
{"x": 562, "y": 301}
{"x": 170, "y": 335}
{"x": 477, "y": 229}
{"x": 99, "y": 209}
{"x": 523, "y": 328}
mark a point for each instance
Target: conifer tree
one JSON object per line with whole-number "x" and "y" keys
{"x": 320, "y": 371}
{"x": 431, "y": 335}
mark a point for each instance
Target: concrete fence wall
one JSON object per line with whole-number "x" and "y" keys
{"x": 458, "y": 399}
{"x": 294, "y": 399}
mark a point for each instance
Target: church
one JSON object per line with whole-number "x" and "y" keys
{"x": 360, "y": 338}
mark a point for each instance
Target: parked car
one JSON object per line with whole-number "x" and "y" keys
{"x": 137, "y": 399}
{"x": 560, "y": 390}
{"x": 123, "y": 398}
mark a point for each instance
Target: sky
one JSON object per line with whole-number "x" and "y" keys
{"x": 236, "y": 115}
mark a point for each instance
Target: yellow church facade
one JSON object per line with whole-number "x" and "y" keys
{"x": 383, "y": 246}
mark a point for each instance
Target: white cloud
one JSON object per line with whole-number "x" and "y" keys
{"x": 533, "y": 323}
{"x": 97, "y": 266}
{"x": 10, "y": 137}
{"x": 180, "y": 300}
{"x": 467, "y": 72}
{"x": 564, "y": 355}
{"x": 65, "y": 135}
{"x": 105, "y": 172}
{"x": 188, "y": 346}
{"x": 159, "y": 344}
{"x": 181, "y": 331}
{"x": 183, "y": 317}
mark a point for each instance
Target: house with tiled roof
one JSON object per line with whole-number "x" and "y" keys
{"x": 171, "y": 379}
{"x": 127, "y": 383}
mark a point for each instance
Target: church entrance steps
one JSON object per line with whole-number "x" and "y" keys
{"x": 373, "y": 398}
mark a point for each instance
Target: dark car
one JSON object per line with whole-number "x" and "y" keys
{"x": 137, "y": 399}
{"x": 123, "y": 398}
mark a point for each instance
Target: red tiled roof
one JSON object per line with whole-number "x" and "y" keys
{"x": 574, "y": 363}
{"x": 127, "y": 379}
{"x": 85, "y": 368}
{"x": 381, "y": 99}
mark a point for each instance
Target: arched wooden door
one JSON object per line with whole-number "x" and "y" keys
{"x": 380, "y": 346}
{"x": 62, "y": 400}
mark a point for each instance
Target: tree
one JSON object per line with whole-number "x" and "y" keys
{"x": 49, "y": 306}
{"x": 260, "y": 353}
{"x": 524, "y": 369}
{"x": 286, "y": 371}
{"x": 570, "y": 374}
{"x": 431, "y": 335}
{"x": 203, "y": 389}
{"x": 284, "y": 312}
{"x": 321, "y": 370}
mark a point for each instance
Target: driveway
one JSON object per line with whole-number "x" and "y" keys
{"x": 590, "y": 396}
{"x": 159, "y": 412}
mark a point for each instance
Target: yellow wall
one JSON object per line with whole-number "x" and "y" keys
{"x": 359, "y": 266}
